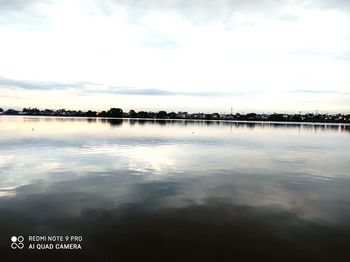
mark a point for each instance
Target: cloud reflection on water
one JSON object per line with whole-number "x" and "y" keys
{"x": 198, "y": 189}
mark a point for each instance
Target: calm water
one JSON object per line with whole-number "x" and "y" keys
{"x": 176, "y": 190}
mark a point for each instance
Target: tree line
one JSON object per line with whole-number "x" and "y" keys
{"x": 119, "y": 113}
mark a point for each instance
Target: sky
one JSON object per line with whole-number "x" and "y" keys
{"x": 198, "y": 55}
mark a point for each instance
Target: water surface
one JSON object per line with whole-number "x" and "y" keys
{"x": 176, "y": 190}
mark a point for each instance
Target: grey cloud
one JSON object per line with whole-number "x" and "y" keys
{"x": 136, "y": 91}
{"x": 311, "y": 91}
{"x": 157, "y": 40}
{"x": 195, "y": 10}
{"x": 161, "y": 92}
{"x": 342, "y": 56}
{"x": 15, "y": 5}
{"x": 88, "y": 88}
{"x": 341, "y": 5}
{"x": 203, "y": 11}
{"x": 38, "y": 85}
{"x": 29, "y": 14}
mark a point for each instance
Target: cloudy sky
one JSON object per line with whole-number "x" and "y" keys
{"x": 198, "y": 55}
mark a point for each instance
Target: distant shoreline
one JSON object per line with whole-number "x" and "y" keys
{"x": 188, "y": 119}
{"x": 161, "y": 115}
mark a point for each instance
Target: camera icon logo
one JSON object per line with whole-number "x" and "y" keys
{"x": 17, "y": 242}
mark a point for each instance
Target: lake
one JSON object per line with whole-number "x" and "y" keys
{"x": 174, "y": 190}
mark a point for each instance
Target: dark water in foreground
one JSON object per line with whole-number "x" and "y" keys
{"x": 175, "y": 190}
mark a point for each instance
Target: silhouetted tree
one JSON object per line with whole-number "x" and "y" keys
{"x": 91, "y": 113}
{"x": 172, "y": 115}
{"x": 103, "y": 114}
{"x": 132, "y": 114}
{"x": 297, "y": 118}
{"x": 11, "y": 112}
{"x": 215, "y": 116}
{"x": 142, "y": 114}
{"x": 161, "y": 114}
{"x": 251, "y": 116}
{"x": 115, "y": 112}
{"x": 207, "y": 116}
{"x": 1, "y": 110}
{"x": 31, "y": 111}
{"x": 276, "y": 117}
{"x": 151, "y": 114}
